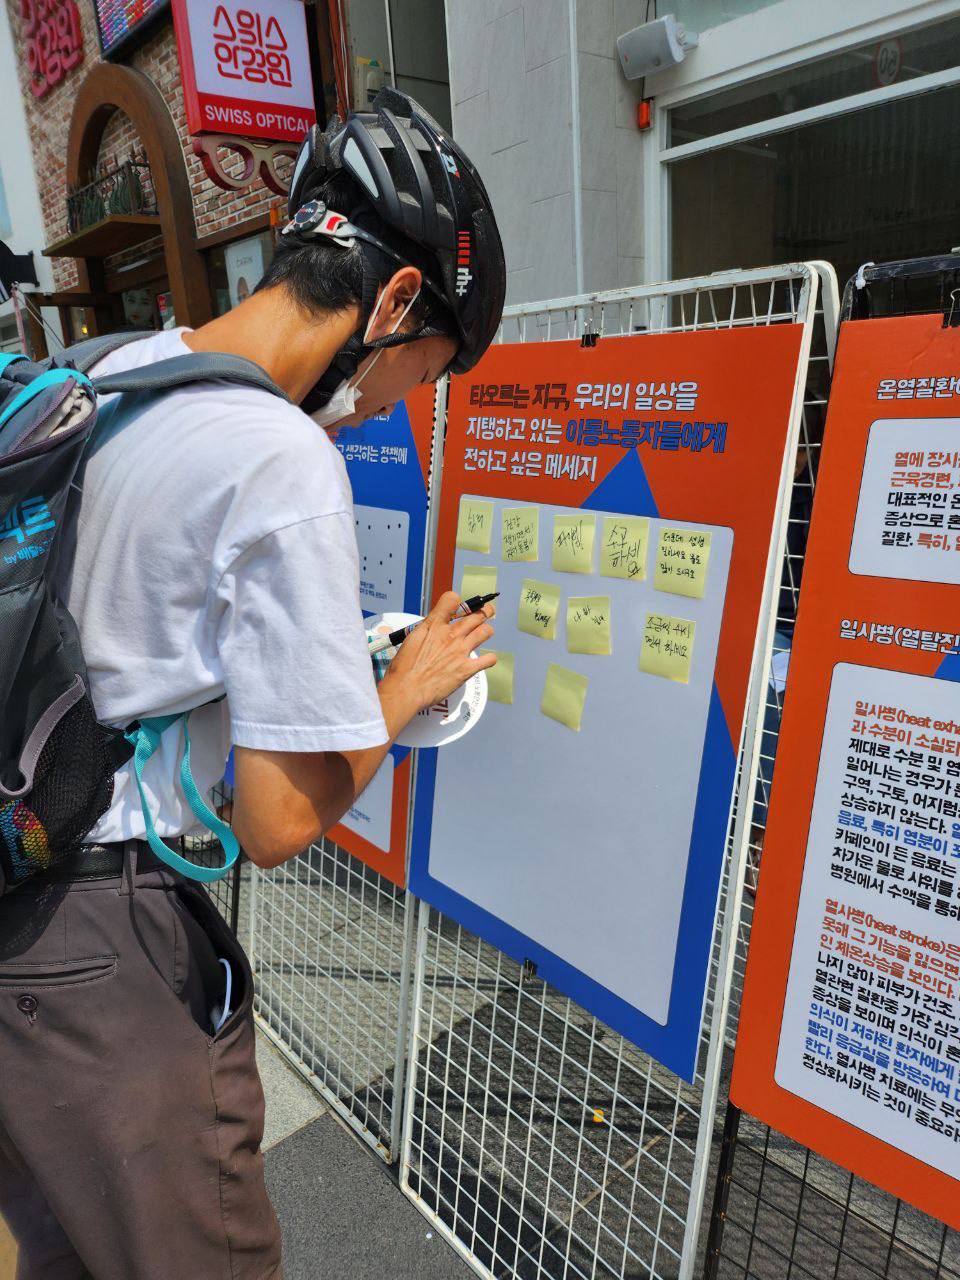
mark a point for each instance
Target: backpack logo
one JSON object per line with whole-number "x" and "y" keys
{"x": 22, "y": 524}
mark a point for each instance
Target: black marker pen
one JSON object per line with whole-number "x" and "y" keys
{"x": 464, "y": 609}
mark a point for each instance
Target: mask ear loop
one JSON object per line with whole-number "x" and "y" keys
{"x": 380, "y": 344}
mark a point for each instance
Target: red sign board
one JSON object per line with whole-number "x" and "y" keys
{"x": 53, "y": 41}
{"x": 246, "y": 68}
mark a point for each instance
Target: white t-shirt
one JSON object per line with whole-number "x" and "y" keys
{"x": 216, "y": 554}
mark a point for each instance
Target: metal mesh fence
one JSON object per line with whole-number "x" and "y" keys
{"x": 801, "y": 504}
{"x": 545, "y": 1143}
{"x": 331, "y": 944}
{"x": 541, "y": 1142}
{"x": 781, "y": 1212}
{"x": 784, "y": 1213}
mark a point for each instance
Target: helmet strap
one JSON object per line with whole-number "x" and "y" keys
{"x": 345, "y": 365}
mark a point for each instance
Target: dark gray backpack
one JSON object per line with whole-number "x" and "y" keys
{"x": 56, "y": 760}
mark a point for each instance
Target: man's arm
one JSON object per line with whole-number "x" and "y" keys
{"x": 285, "y": 800}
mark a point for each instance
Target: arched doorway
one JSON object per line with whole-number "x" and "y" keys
{"x": 110, "y": 88}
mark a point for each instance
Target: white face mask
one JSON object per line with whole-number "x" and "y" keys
{"x": 343, "y": 403}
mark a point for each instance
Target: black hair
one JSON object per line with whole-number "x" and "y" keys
{"x": 323, "y": 277}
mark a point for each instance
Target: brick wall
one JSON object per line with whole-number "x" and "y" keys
{"x": 121, "y": 142}
{"x": 48, "y": 120}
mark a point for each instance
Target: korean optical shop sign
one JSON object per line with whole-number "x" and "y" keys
{"x": 849, "y": 1037}
{"x": 52, "y": 41}
{"x": 582, "y": 823}
{"x": 245, "y": 68}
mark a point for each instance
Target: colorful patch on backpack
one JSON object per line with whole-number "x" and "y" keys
{"x": 25, "y": 837}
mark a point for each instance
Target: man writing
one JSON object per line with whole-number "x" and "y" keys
{"x": 215, "y": 567}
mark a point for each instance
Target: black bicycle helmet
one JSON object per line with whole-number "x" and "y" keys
{"x": 424, "y": 190}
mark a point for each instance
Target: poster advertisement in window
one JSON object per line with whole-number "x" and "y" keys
{"x": 245, "y": 266}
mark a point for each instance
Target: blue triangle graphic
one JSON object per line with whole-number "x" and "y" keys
{"x": 625, "y": 490}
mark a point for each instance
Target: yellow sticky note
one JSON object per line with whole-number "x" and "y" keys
{"x": 475, "y": 525}
{"x": 564, "y": 694}
{"x": 588, "y": 624}
{"x": 520, "y": 533}
{"x": 500, "y": 678}
{"x": 668, "y": 647}
{"x": 573, "y": 543}
{"x": 539, "y": 606}
{"x": 623, "y": 551}
{"x": 478, "y": 580}
{"x": 682, "y": 559}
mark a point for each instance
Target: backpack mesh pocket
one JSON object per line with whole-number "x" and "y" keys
{"x": 72, "y": 790}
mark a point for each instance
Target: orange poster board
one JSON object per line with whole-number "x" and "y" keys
{"x": 849, "y": 1036}
{"x": 622, "y": 497}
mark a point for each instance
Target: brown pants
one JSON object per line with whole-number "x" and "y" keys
{"x": 129, "y": 1133}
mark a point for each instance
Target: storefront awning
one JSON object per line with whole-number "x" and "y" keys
{"x": 110, "y": 235}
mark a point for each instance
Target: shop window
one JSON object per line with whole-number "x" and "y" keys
{"x": 234, "y": 270}
{"x": 9, "y": 336}
{"x": 165, "y": 312}
{"x": 77, "y": 324}
{"x": 402, "y": 42}
{"x": 857, "y": 70}
{"x": 698, "y": 15}
{"x": 873, "y": 185}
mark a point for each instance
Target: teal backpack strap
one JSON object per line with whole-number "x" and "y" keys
{"x": 145, "y": 741}
{"x": 202, "y": 811}
{"x": 8, "y": 359}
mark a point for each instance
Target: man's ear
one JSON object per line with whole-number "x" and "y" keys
{"x": 398, "y": 293}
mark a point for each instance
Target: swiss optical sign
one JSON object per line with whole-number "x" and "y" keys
{"x": 246, "y": 68}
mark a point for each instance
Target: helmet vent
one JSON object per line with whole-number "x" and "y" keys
{"x": 302, "y": 162}
{"x": 353, "y": 158}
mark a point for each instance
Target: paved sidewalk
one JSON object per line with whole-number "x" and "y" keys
{"x": 291, "y": 1102}
{"x": 342, "y": 1214}
{"x": 344, "y": 1217}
